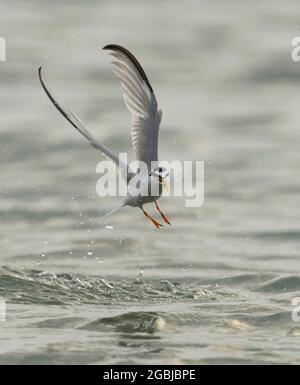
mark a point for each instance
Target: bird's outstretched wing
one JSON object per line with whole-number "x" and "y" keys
{"x": 67, "y": 112}
{"x": 140, "y": 99}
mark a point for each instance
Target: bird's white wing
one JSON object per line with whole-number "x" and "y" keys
{"x": 67, "y": 112}
{"x": 141, "y": 102}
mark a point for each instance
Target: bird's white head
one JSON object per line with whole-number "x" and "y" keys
{"x": 159, "y": 172}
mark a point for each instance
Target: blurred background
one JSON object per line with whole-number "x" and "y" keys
{"x": 217, "y": 286}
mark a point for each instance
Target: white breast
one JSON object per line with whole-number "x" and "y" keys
{"x": 142, "y": 191}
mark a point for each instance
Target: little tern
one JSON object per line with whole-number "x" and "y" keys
{"x": 141, "y": 101}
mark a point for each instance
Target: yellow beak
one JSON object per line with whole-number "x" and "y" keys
{"x": 165, "y": 183}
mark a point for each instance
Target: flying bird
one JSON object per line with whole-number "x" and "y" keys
{"x": 141, "y": 101}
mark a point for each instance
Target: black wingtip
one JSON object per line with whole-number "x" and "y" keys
{"x": 117, "y": 47}
{"x": 109, "y": 46}
{"x": 40, "y": 73}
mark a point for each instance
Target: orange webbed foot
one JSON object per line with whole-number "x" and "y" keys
{"x": 164, "y": 217}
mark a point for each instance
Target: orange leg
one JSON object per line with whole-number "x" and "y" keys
{"x": 162, "y": 214}
{"x": 156, "y": 224}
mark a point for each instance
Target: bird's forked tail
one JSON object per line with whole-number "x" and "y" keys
{"x": 113, "y": 211}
